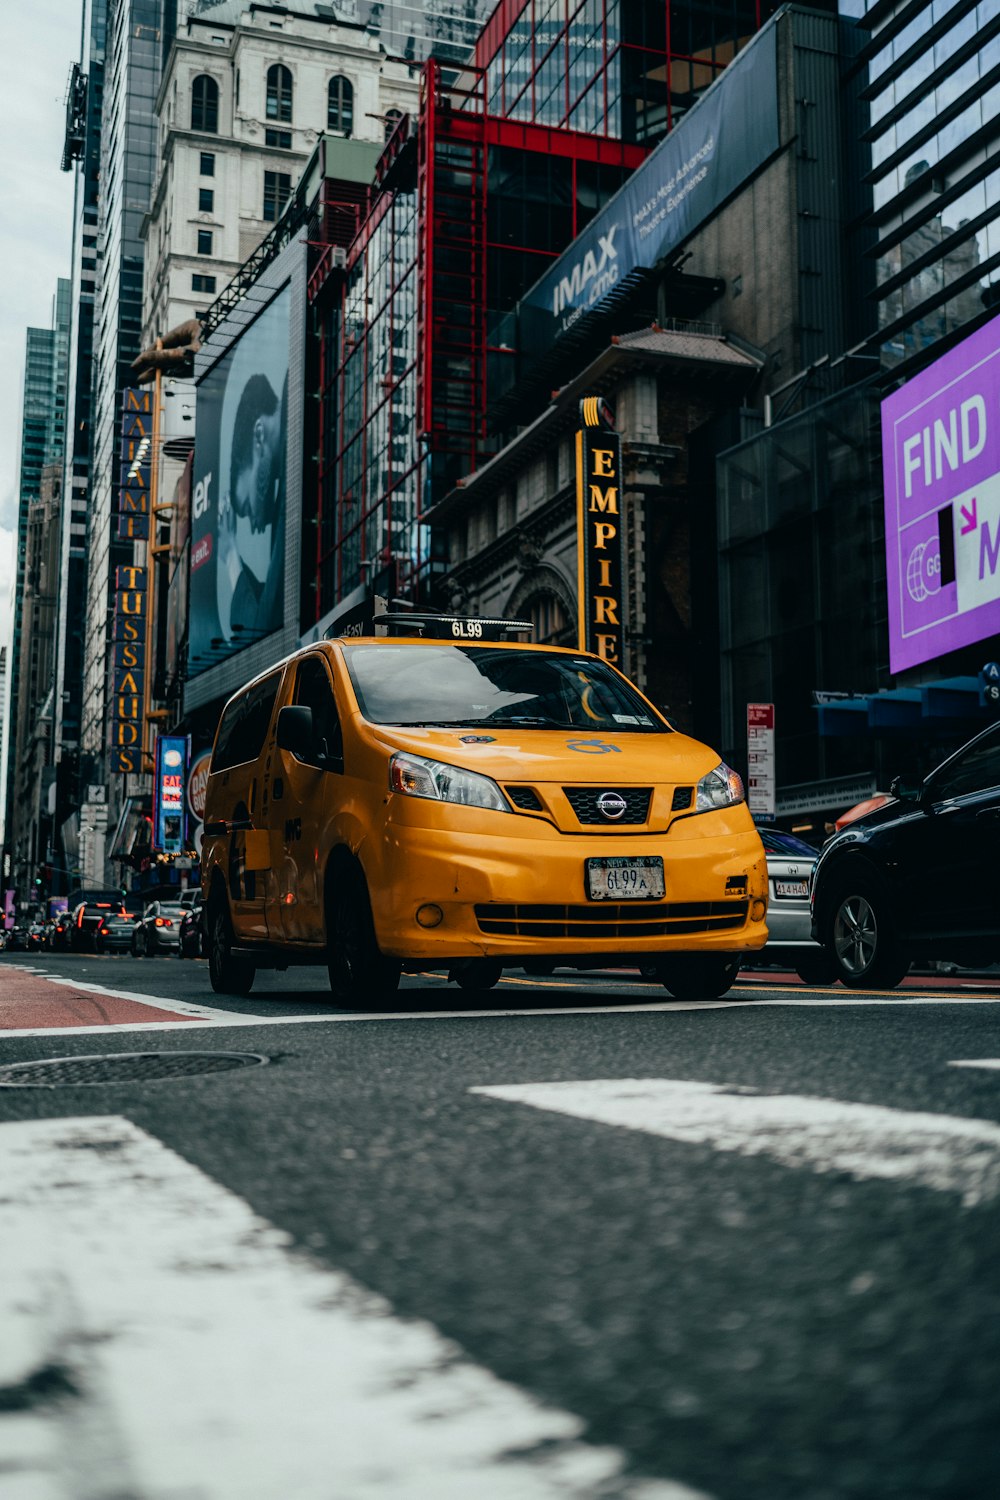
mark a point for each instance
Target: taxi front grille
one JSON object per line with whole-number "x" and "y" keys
{"x": 584, "y": 802}
{"x": 638, "y": 919}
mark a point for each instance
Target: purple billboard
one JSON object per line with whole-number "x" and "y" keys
{"x": 941, "y": 464}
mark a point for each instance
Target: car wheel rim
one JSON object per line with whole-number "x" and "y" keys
{"x": 218, "y": 953}
{"x": 855, "y": 935}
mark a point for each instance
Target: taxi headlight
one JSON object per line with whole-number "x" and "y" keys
{"x": 416, "y": 777}
{"x": 722, "y": 787}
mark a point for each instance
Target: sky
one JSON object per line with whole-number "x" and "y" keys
{"x": 40, "y": 41}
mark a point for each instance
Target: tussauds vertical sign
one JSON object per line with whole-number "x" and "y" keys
{"x": 599, "y": 531}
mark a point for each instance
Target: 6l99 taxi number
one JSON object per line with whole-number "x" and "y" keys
{"x": 621, "y": 879}
{"x": 468, "y": 630}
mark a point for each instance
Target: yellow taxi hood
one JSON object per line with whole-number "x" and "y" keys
{"x": 558, "y": 755}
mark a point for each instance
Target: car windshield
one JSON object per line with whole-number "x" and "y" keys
{"x": 483, "y": 687}
{"x": 777, "y": 842}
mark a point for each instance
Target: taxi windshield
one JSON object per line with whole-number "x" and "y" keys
{"x": 475, "y": 687}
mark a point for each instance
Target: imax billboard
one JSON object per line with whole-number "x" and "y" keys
{"x": 941, "y": 464}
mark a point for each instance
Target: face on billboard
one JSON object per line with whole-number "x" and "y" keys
{"x": 941, "y": 461}
{"x": 239, "y": 496}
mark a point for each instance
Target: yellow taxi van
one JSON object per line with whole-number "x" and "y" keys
{"x": 443, "y": 797}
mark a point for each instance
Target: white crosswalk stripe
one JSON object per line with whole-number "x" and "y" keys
{"x": 825, "y": 1135}
{"x": 179, "y": 1347}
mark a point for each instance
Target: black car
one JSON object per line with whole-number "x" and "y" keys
{"x": 917, "y": 878}
{"x": 115, "y": 932}
{"x": 85, "y": 922}
{"x": 192, "y": 934}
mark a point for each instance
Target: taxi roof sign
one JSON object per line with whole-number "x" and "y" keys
{"x": 450, "y": 627}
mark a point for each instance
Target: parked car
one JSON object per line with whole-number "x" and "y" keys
{"x": 790, "y": 943}
{"x": 158, "y": 929}
{"x": 17, "y": 940}
{"x": 115, "y": 932}
{"x": 87, "y": 918}
{"x": 191, "y": 943}
{"x": 916, "y": 879}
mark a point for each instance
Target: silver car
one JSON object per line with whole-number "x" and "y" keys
{"x": 790, "y": 866}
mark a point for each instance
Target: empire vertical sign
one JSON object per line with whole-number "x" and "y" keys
{"x": 599, "y": 532}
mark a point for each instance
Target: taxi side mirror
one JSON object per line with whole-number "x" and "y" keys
{"x": 905, "y": 790}
{"x": 295, "y": 732}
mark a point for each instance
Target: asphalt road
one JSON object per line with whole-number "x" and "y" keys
{"x": 736, "y": 1314}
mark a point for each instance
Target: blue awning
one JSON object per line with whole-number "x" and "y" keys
{"x": 930, "y": 706}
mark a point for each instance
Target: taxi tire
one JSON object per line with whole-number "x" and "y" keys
{"x": 479, "y": 975}
{"x": 700, "y": 976}
{"x": 858, "y": 917}
{"x": 358, "y": 971}
{"x": 227, "y": 975}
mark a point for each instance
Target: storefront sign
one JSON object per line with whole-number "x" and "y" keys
{"x": 168, "y": 793}
{"x": 760, "y": 759}
{"x": 941, "y": 463}
{"x": 136, "y": 464}
{"x": 599, "y": 532}
{"x": 128, "y": 679}
{"x": 197, "y": 784}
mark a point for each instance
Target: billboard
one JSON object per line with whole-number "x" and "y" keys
{"x": 168, "y": 794}
{"x": 941, "y": 467}
{"x": 715, "y": 149}
{"x": 238, "y": 509}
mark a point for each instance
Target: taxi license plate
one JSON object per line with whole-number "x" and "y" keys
{"x": 622, "y": 879}
{"x": 799, "y": 888}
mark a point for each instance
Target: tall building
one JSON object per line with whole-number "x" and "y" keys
{"x": 128, "y": 150}
{"x": 245, "y": 95}
{"x": 43, "y": 426}
{"x": 81, "y": 155}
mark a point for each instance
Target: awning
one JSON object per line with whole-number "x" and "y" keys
{"x": 933, "y": 706}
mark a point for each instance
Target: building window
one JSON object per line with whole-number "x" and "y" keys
{"x": 282, "y": 139}
{"x": 204, "y": 242}
{"x": 206, "y": 200}
{"x": 392, "y": 116}
{"x": 279, "y": 93}
{"x": 207, "y": 167}
{"x": 202, "y": 283}
{"x": 277, "y": 190}
{"x": 205, "y": 104}
{"x": 340, "y": 105}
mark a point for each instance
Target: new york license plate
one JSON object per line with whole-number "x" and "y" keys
{"x": 624, "y": 879}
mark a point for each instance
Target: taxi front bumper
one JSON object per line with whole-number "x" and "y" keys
{"x": 520, "y": 895}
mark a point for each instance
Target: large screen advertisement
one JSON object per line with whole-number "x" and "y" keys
{"x": 238, "y": 519}
{"x": 941, "y": 463}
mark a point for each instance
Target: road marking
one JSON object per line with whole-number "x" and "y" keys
{"x": 977, "y": 1062}
{"x": 188, "y": 1349}
{"x": 865, "y": 1140}
{"x": 199, "y": 1016}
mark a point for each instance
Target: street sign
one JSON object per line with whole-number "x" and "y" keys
{"x": 760, "y": 759}
{"x": 989, "y": 685}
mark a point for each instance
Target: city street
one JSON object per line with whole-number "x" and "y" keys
{"x": 438, "y": 1248}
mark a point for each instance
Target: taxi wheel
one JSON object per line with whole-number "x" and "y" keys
{"x": 699, "y": 976}
{"x": 479, "y": 974}
{"x": 228, "y": 975}
{"x": 860, "y": 938}
{"x": 358, "y": 971}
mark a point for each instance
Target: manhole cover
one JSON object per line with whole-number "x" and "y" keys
{"x": 121, "y": 1067}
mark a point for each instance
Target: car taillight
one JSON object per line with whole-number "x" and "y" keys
{"x": 103, "y": 930}
{"x": 164, "y": 922}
